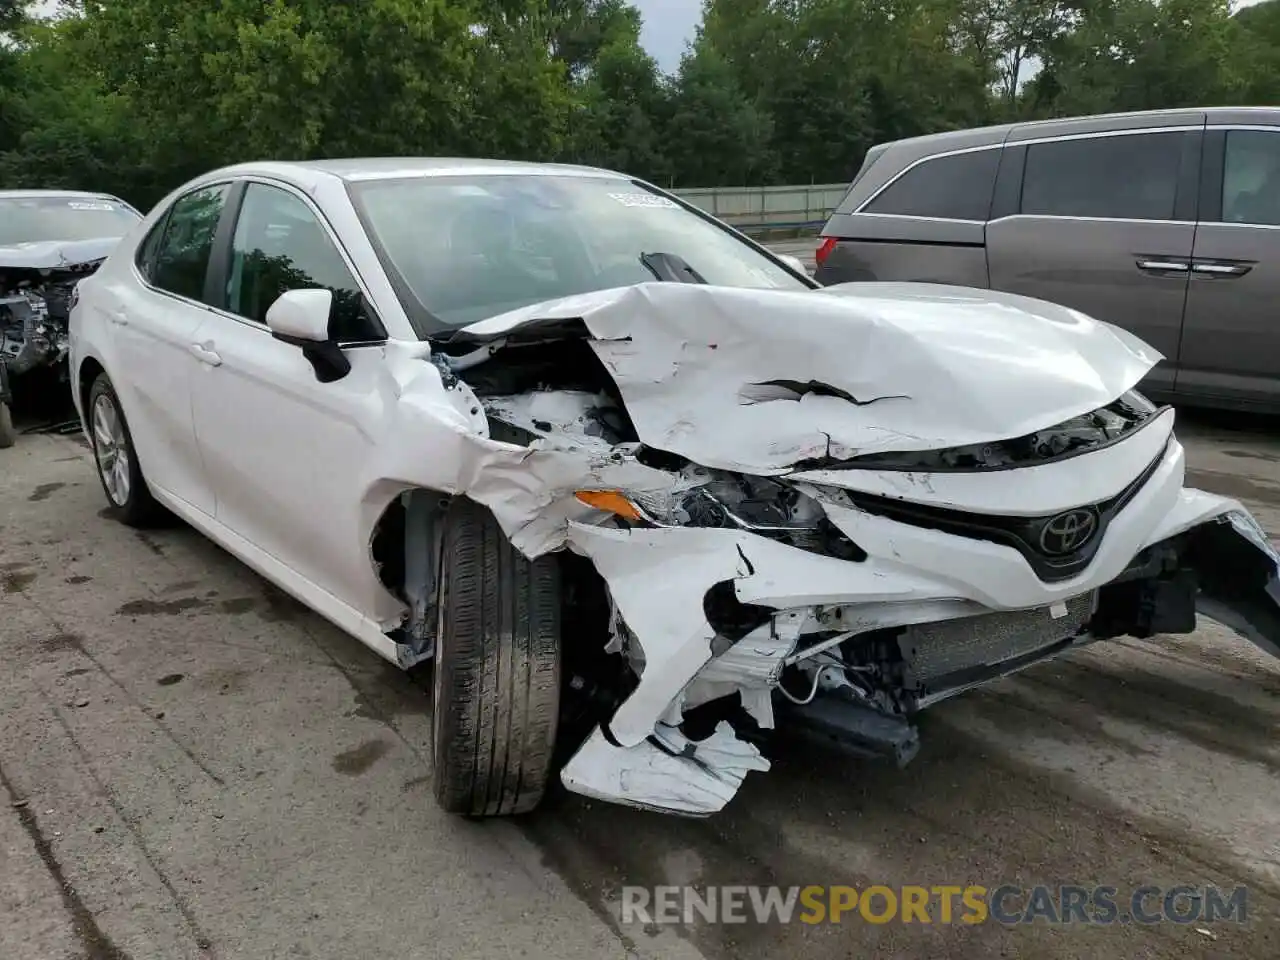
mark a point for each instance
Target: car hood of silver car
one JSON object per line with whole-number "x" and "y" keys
{"x": 56, "y": 254}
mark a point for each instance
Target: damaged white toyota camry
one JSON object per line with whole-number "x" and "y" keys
{"x": 637, "y": 486}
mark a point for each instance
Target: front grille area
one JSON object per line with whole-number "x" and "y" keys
{"x": 1030, "y": 536}
{"x": 938, "y": 655}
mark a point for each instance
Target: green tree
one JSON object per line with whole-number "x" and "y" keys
{"x": 580, "y": 29}
{"x": 186, "y": 85}
{"x": 1140, "y": 55}
{"x": 1002, "y": 37}
{"x": 135, "y": 96}
{"x": 1255, "y": 43}
{"x": 715, "y": 134}
{"x": 12, "y": 19}
{"x": 619, "y": 98}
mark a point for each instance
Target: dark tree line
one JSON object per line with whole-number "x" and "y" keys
{"x": 134, "y": 96}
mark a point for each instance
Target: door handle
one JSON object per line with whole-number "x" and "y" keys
{"x": 205, "y": 354}
{"x": 1225, "y": 270}
{"x": 1164, "y": 266}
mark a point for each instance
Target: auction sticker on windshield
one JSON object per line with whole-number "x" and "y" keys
{"x": 89, "y": 205}
{"x": 642, "y": 200}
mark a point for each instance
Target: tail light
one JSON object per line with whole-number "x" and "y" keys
{"x": 824, "y": 250}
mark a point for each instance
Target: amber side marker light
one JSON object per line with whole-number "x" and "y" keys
{"x": 611, "y": 501}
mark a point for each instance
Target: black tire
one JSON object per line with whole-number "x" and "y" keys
{"x": 496, "y": 680}
{"x": 8, "y": 435}
{"x": 138, "y": 508}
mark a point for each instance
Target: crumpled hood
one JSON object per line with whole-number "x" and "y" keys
{"x": 56, "y": 254}
{"x": 760, "y": 380}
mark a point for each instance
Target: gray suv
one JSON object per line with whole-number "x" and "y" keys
{"x": 1165, "y": 223}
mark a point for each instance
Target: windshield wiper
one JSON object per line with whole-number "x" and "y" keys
{"x": 670, "y": 268}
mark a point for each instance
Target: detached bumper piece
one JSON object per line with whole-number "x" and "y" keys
{"x": 1238, "y": 573}
{"x": 667, "y": 772}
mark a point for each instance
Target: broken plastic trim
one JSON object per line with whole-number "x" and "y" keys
{"x": 1087, "y": 433}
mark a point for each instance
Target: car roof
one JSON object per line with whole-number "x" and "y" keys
{"x": 52, "y": 194}
{"x": 1026, "y": 129}
{"x": 308, "y": 172}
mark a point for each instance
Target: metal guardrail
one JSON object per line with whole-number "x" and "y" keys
{"x": 792, "y": 207}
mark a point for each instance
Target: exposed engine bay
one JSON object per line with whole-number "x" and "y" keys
{"x": 49, "y": 241}
{"x": 34, "y": 308}
{"x": 771, "y": 540}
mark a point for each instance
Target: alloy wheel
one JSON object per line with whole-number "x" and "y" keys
{"x": 111, "y": 448}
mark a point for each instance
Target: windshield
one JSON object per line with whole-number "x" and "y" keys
{"x": 35, "y": 219}
{"x": 460, "y": 249}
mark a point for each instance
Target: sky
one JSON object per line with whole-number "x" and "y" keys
{"x": 668, "y": 26}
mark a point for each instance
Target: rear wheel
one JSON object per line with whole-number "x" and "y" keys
{"x": 128, "y": 496}
{"x": 497, "y": 669}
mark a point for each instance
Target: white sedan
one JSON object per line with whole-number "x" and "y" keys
{"x": 638, "y": 487}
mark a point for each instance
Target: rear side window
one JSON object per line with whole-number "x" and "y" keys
{"x": 956, "y": 187}
{"x": 146, "y": 255}
{"x": 1128, "y": 177}
{"x": 1251, "y": 178}
{"x": 182, "y": 258}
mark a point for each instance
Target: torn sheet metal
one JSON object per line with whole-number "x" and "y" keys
{"x": 760, "y": 380}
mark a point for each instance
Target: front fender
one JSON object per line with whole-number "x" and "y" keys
{"x": 1236, "y": 565}
{"x": 1238, "y": 574}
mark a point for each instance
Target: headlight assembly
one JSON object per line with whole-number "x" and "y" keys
{"x": 758, "y": 505}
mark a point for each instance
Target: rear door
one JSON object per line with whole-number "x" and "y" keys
{"x": 1103, "y": 222}
{"x": 1231, "y": 338}
{"x": 153, "y": 325}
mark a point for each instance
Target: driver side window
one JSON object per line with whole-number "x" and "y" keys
{"x": 280, "y": 245}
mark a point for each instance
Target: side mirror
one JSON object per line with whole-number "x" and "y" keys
{"x": 301, "y": 315}
{"x": 795, "y": 263}
{"x": 301, "y": 318}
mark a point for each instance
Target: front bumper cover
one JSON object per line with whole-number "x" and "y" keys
{"x": 1225, "y": 567}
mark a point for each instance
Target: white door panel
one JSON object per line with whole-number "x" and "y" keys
{"x": 284, "y": 452}
{"x": 151, "y": 336}
{"x": 151, "y": 318}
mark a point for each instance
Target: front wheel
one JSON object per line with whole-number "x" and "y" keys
{"x": 8, "y": 435}
{"x": 130, "y": 500}
{"x": 497, "y": 669}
